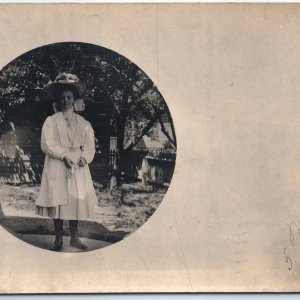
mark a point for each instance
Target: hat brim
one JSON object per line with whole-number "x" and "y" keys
{"x": 55, "y": 88}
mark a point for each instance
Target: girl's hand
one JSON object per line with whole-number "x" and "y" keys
{"x": 82, "y": 162}
{"x": 68, "y": 162}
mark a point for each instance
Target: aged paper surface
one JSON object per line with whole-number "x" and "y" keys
{"x": 230, "y": 76}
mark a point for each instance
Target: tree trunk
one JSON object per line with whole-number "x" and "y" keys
{"x": 119, "y": 160}
{"x": 172, "y": 127}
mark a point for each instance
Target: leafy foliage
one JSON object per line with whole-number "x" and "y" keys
{"x": 125, "y": 93}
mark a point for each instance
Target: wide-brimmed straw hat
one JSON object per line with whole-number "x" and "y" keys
{"x": 66, "y": 81}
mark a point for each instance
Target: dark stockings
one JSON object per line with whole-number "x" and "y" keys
{"x": 59, "y": 228}
{"x": 75, "y": 241}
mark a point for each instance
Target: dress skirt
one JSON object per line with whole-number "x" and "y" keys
{"x": 77, "y": 208}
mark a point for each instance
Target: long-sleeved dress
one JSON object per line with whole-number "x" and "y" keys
{"x": 67, "y": 193}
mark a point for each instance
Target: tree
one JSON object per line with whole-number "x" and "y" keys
{"x": 126, "y": 92}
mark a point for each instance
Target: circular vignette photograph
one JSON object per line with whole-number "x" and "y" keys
{"x": 87, "y": 147}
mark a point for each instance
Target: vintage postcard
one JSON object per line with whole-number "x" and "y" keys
{"x": 149, "y": 148}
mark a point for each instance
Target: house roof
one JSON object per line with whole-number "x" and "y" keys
{"x": 156, "y": 141}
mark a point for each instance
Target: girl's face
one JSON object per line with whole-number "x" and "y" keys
{"x": 66, "y": 100}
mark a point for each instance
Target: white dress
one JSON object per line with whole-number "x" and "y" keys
{"x": 67, "y": 193}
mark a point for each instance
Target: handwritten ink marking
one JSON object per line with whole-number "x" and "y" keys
{"x": 288, "y": 260}
{"x": 297, "y": 227}
{"x": 294, "y": 233}
{"x": 292, "y": 238}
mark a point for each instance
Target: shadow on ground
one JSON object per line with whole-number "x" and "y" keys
{"x": 32, "y": 230}
{"x": 46, "y": 241}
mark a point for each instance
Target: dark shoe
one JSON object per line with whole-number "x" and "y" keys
{"x": 75, "y": 241}
{"x": 57, "y": 245}
{"x": 59, "y": 228}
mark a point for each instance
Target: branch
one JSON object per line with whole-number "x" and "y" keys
{"x": 125, "y": 75}
{"x": 163, "y": 128}
{"x": 172, "y": 126}
{"x": 144, "y": 131}
{"x": 74, "y": 61}
{"x": 165, "y": 132}
{"x": 118, "y": 70}
{"x": 116, "y": 111}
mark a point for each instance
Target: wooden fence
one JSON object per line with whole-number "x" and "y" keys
{"x": 150, "y": 166}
